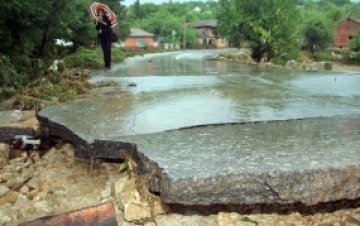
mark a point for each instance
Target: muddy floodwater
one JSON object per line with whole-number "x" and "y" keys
{"x": 174, "y": 90}
{"x": 248, "y": 135}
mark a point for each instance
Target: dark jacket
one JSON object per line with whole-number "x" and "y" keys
{"x": 104, "y": 30}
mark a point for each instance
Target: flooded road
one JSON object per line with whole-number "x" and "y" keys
{"x": 283, "y": 161}
{"x": 181, "y": 89}
{"x": 168, "y": 91}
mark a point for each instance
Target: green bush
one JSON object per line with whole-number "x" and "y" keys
{"x": 10, "y": 79}
{"x": 61, "y": 67}
{"x": 7, "y": 92}
{"x": 118, "y": 55}
{"x": 323, "y": 56}
{"x": 93, "y": 58}
{"x": 26, "y": 102}
{"x": 55, "y": 78}
{"x": 355, "y": 42}
{"x": 88, "y": 58}
{"x": 69, "y": 95}
{"x": 354, "y": 57}
{"x": 316, "y": 32}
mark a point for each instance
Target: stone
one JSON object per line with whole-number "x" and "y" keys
{"x": 35, "y": 157}
{"x": 33, "y": 183}
{"x": 234, "y": 219}
{"x": 108, "y": 167}
{"x": 68, "y": 150}
{"x": 3, "y": 190}
{"x": 125, "y": 223}
{"x": 17, "y": 182}
{"x": 327, "y": 66}
{"x": 24, "y": 190}
{"x": 337, "y": 56}
{"x": 4, "y": 155}
{"x": 60, "y": 193}
{"x": 2, "y": 178}
{"x": 4, "y": 220}
{"x": 137, "y": 208}
{"x": 43, "y": 207}
{"x": 352, "y": 221}
{"x": 106, "y": 192}
{"x": 243, "y": 56}
{"x": 9, "y": 197}
{"x": 33, "y": 194}
{"x": 44, "y": 186}
{"x": 136, "y": 212}
{"x": 129, "y": 193}
{"x": 40, "y": 196}
{"x": 292, "y": 64}
{"x": 8, "y": 215}
{"x": 186, "y": 220}
{"x": 119, "y": 185}
{"x": 21, "y": 159}
{"x": 21, "y": 201}
{"x": 14, "y": 154}
{"x": 19, "y": 167}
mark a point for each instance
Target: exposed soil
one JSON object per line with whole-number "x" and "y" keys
{"x": 34, "y": 186}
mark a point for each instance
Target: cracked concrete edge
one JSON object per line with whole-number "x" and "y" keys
{"x": 85, "y": 149}
{"x": 8, "y": 132}
{"x": 309, "y": 187}
{"x": 82, "y": 147}
{"x": 145, "y": 166}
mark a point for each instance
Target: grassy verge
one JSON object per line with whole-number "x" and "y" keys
{"x": 93, "y": 58}
{"x": 66, "y": 84}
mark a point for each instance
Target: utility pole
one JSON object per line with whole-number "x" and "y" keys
{"x": 184, "y": 38}
{"x": 173, "y": 34}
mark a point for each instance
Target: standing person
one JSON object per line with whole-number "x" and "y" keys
{"x": 103, "y": 25}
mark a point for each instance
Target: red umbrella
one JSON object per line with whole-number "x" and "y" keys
{"x": 94, "y": 9}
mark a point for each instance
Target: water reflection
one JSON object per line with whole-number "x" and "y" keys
{"x": 184, "y": 89}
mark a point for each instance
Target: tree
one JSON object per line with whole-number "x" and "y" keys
{"x": 355, "y": 41}
{"x": 339, "y": 2}
{"x": 28, "y": 28}
{"x": 137, "y": 10}
{"x": 317, "y": 33}
{"x": 269, "y": 26}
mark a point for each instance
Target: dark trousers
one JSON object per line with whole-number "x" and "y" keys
{"x": 106, "y": 48}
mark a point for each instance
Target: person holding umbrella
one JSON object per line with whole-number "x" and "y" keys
{"x": 103, "y": 26}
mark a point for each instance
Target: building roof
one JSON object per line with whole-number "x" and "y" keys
{"x": 353, "y": 19}
{"x": 356, "y": 20}
{"x": 138, "y": 32}
{"x": 205, "y": 23}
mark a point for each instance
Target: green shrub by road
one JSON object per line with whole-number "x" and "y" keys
{"x": 93, "y": 58}
{"x": 49, "y": 87}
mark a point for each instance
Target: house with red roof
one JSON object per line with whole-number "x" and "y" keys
{"x": 345, "y": 31}
{"x": 139, "y": 39}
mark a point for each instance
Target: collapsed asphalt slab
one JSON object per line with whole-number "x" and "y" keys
{"x": 303, "y": 161}
{"x": 306, "y": 161}
{"x": 15, "y": 123}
